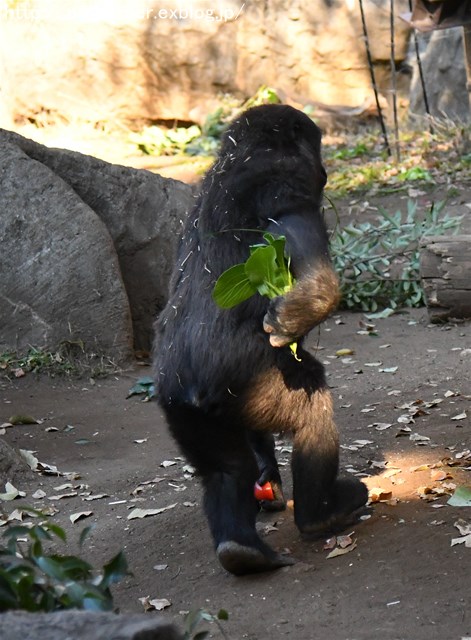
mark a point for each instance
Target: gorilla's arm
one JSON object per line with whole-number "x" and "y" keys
{"x": 316, "y": 293}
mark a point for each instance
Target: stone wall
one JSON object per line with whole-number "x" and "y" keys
{"x": 171, "y": 59}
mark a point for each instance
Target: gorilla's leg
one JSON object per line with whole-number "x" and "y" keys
{"x": 299, "y": 401}
{"x": 222, "y": 455}
{"x": 323, "y": 503}
{"x": 263, "y": 445}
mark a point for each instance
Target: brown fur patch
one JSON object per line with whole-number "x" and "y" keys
{"x": 270, "y": 405}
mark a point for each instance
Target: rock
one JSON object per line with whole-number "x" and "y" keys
{"x": 445, "y": 77}
{"x": 83, "y": 625}
{"x": 60, "y": 277}
{"x": 173, "y": 61}
{"x": 12, "y": 466}
{"x": 142, "y": 213}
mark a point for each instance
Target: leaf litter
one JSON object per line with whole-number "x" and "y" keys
{"x": 144, "y": 513}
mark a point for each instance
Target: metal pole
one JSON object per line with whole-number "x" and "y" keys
{"x": 393, "y": 81}
{"x": 421, "y": 75}
{"x": 467, "y": 57}
{"x": 373, "y": 79}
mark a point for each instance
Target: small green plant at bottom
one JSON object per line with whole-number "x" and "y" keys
{"x": 33, "y": 579}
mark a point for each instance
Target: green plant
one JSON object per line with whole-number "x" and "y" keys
{"x": 70, "y": 358}
{"x": 193, "y": 140}
{"x": 41, "y": 360}
{"x": 266, "y": 271}
{"x": 195, "y": 618}
{"x": 35, "y": 580}
{"x": 378, "y": 263}
{"x": 160, "y": 141}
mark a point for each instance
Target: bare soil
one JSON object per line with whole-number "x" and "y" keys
{"x": 403, "y": 580}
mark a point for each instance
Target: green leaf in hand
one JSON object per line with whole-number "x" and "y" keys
{"x": 233, "y": 287}
{"x": 266, "y": 272}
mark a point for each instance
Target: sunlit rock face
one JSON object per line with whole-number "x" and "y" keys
{"x": 135, "y": 59}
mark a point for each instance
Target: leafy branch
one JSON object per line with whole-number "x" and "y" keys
{"x": 34, "y": 580}
{"x": 378, "y": 263}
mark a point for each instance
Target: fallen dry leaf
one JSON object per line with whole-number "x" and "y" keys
{"x": 330, "y": 543}
{"x": 11, "y": 493}
{"x": 156, "y": 604}
{"x": 379, "y": 495}
{"x": 61, "y": 496}
{"x": 460, "y": 416}
{"x": 167, "y": 463}
{"x": 463, "y": 527}
{"x": 466, "y": 540}
{"x": 421, "y": 467}
{"x": 344, "y": 352}
{"x": 340, "y": 552}
{"x": 392, "y": 471}
{"x": 79, "y": 516}
{"x": 144, "y": 513}
{"x": 381, "y": 426}
{"x": 419, "y": 439}
{"x": 22, "y": 419}
{"x": 439, "y": 475}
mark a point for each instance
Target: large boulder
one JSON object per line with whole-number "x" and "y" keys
{"x": 444, "y": 71}
{"x": 82, "y": 625}
{"x": 60, "y": 278}
{"x": 82, "y": 241}
{"x": 172, "y": 60}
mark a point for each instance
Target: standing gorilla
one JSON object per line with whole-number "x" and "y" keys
{"x": 226, "y": 379}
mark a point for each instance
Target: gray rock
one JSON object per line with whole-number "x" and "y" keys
{"x": 445, "y": 77}
{"x": 82, "y": 625}
{"x": 12, "y": 466}
{"x": 59, "y": 273}
{"x": 143, "y": 213}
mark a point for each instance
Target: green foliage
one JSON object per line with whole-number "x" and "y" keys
{"x": 35, "y": 580}
{"x": 378, "y": 263}
{"x": 70, "y": 359}
{"x": 193, "y": 140}
{"x": 159, "y": 141}
{"x": 144, "y": 386}
{"x": 346, "y": 153}
{"x": 266, "y": 272}
{"x": 39, "y": 360}
{"x": 195, "y": 618}
{"x": 359, "y": 162}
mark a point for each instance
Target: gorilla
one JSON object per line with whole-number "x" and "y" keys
{"x": 226, "y": 379}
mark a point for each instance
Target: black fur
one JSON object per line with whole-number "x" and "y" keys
{"x": 225, "y": 378}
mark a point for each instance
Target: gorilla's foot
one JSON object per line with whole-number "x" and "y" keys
{"x": 278, "y": 502}
{"x": 240, "y": 559}
{"x": 348, "y": 501}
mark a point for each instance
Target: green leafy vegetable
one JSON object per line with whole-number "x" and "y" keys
{"x": 266, "y": 272}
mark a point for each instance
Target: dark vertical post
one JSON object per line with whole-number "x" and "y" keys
{"x": 393, "y": 80}
{"x": 421, "y": 75}
{"x": 467, "y": 57}
{"x": 373, "y": 79}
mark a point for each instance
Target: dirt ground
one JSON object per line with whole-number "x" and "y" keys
{"x": 403, "y": 408}
{"x": 403, "y": 580}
